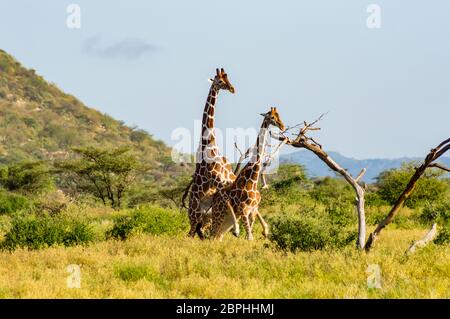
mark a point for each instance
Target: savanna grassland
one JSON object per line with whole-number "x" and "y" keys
{"x": 80, "y": 188}
{"x": 148, "y": 266}
{"x": 144, "y": 253}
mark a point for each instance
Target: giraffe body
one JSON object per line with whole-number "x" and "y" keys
{"x": 241, "y": 198}
{"x": 212, "y": 171}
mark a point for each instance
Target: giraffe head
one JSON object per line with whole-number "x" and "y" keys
{"x": 273, "y": 118}
{"x": 221, "y": 81}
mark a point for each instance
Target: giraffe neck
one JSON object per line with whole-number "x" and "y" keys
{"x": 255, "y": 163}
{"x": 261, "y": 141}
{"x": 208, "y": 136}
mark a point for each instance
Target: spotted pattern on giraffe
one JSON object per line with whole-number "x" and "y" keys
{"x": 243, "y": 195}
{"x": 212, "y": 172}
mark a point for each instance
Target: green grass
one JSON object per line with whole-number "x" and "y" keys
{"x": 147, "y": 266}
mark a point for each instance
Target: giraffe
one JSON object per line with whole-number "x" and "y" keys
{"x": 241, "y": 198}
{"x": 212, "y": 171}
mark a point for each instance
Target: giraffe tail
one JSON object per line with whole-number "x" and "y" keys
{"x": 186, "y": 192}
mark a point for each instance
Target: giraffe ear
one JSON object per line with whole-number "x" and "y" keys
{"x": 262, "y": 114}
{"x": 210, "y": 80}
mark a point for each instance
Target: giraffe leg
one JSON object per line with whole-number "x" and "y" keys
{"x": 236, "y": 231}
{"x": 263, "y": 224}
{"x": 199, "y": 231}
{"x": 246, "y": 221}
{"x": 193, "y": 229}
{"x": 193, "y": 222}
{"x": 192, "y": 213}
{"x": 251, "y": 219}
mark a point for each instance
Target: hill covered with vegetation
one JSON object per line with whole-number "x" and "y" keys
{"x": 40, "y": 122}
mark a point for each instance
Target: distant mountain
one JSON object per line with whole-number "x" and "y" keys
{"x": 374, "y": 167}
{"x": 40, "y": 122}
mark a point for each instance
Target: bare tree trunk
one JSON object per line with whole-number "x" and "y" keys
{"x": 424, "y": 241}
{"x": 268, "y": 162}
{"x": 302, "y": 141}
{"x": 434, "y": 154}
{"x": 359, "y": 190}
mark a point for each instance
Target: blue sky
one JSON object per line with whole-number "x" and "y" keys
{"x": 387, "y": 90}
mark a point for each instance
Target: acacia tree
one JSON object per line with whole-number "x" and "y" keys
{"x": 26, "y": 177}
{"x": 105, "y": 174}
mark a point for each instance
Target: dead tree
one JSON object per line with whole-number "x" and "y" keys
{"x": 303, "y": 141}
{"x": 429, "y": 161}
{"x": 424, "y": 241}
{"x": 268, "y": 162}
{"x": 242, "y": 157}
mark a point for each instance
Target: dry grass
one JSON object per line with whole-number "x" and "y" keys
{"x": 177, "y": 267}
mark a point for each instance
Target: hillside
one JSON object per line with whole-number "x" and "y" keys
{"x": 40, "y": 122}
{"x": 375, "y": 166}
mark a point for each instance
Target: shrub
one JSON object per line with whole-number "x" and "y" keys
{"x": 287, "y": 176}
{"x": 373, "y": 198}
{"x": 10, "y": 202}
{"x": 429, "y": 187}
{"x": 26, "y": 177}
{"x": 342, "y": 213}
{"x": 289, "y": 185}
{"x": 52, "y": 203}
{"x": 150, "y": 219}
{"x": 328, "y": 190}
{"x": 443, "y": 236}
{"x": 38, "y": 232}
{"x": 436, "y": 212}
{"x": 306, "y": 233}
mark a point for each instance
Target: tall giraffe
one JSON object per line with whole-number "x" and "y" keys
{"x": 212, "y": 171}
{"x": 242, "y": 198}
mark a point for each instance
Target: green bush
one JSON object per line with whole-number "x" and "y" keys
{"x": 373, "y": 198}
{"x": 342, "y": 213}
{"x": 329, "y": 190}
{"x": 150, "y": 219}
{"x": 10, "y": 202}
{"x": 38, "y": 232}
{"x": 26, "y": 177}
{"x": 287, "y": 176}
{"x": 443, "y": 236}
{"x": 436, "y": 212}
{"x": 429, "y": 187}
{"x": 306, "y": 233}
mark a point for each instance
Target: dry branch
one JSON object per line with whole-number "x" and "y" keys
{"x": 241, "y": 158}
{"x": 434, "y": 154}
{"x": 424, "y": 241}
{"x": 268, "y": 162}
{"x": 437, "y": 165}
{"x": 303, "y": 141}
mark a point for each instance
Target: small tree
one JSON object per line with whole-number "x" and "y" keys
{"x": 26, "y": 178}
{"x": 105, "y": 174}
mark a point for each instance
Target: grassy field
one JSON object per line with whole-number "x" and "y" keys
{"x": 147, "y": 266}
